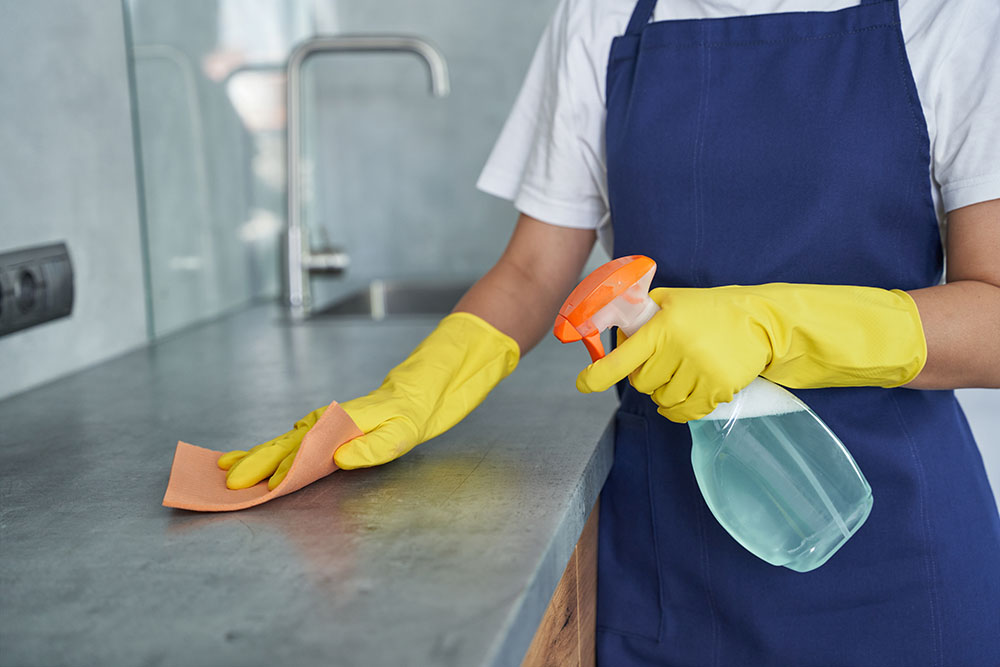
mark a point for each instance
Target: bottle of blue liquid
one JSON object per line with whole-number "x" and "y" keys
{"x": 777, "y": 478}
{"x": 773, "y": 474}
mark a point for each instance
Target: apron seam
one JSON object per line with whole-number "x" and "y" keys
{"x": 904, "y": 76}
{"x": 699, "y": 144}
{"x": 706, "y": 572}
{"x": 930, "y": 565}
{"x": 656, "y": 533}
{"x": 657, "y": 637}
{"x": 757, "y": 42}
{"x": 905, "y": 72}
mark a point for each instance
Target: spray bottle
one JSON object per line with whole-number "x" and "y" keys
{"x": 774, "y": 475}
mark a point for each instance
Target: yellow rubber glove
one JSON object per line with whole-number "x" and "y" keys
{"x": 707, "y": 344}
{"x": 443, "y": 380}
{"x": 270, "y": 459}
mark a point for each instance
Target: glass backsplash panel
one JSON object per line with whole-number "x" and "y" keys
{"x": 388, "y": 170}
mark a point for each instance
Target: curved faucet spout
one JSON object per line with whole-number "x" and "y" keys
{"x": 436, "y": 65}
{"x": 300, "y": 260}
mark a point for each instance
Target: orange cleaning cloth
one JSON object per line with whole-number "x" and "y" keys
{"x": 197, "y": 483}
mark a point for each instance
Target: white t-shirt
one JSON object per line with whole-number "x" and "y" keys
{"x": 550, "y": 157}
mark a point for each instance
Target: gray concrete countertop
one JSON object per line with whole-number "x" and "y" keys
{"x": 447, "y": 556}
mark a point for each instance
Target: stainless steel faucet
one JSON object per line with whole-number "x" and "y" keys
{"x": 301, "y": 261}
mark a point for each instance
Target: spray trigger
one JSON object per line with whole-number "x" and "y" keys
{"x": 594, "y": 346}
{"x": 615, "y": 294}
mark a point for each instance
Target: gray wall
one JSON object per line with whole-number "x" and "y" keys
{"x": 67, "y": 174}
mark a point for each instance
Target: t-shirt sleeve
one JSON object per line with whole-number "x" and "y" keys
{"x": 966, "y": 150}
{"x": 542, "y": 161}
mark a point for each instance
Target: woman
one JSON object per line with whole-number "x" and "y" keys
{"x": 810, "y": 156}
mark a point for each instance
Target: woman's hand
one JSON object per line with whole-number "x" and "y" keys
{"x": 440, "y": 382}
{"x": 700, "y": 349}
{"x": 452, "y": 370}
{"x": 707, "y": 344}
{"x": 269, "y": 459}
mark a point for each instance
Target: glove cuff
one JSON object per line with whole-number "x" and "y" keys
{"x": 915, "y": 352}
{"x": 445, "y": 377}
{"x": 486, "y": 338}
{"x": 843, "y": 336}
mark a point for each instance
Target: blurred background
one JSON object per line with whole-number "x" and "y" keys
{"x": 149, "y": 136}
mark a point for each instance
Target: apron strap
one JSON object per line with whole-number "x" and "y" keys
{"x": 640, "y": 16}
{"x": 644, "y": 11}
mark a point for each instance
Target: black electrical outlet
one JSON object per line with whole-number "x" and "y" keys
{"x": 36, "y": 285}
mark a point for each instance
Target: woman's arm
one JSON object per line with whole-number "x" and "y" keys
{"x": 522, "y": 293}
{"x": 453, "y": 369}
{"x": 961, "y": 318}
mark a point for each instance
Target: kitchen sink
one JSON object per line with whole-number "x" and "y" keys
{"x": 388, "y": 298}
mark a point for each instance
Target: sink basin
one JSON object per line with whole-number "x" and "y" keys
{"x": 387, "y": 298}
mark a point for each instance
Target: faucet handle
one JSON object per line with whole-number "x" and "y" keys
{"x": 330, "y": 260}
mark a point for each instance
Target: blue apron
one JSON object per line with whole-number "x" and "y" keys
{"x": 788, "y": 147}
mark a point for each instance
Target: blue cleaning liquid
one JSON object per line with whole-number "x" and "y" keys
{"x": 777, "y": 478}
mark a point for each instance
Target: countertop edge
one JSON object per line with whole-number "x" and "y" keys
{"x": 522, "y": 623}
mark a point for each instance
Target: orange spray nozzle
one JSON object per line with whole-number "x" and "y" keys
{"x": 621, "y": 284}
